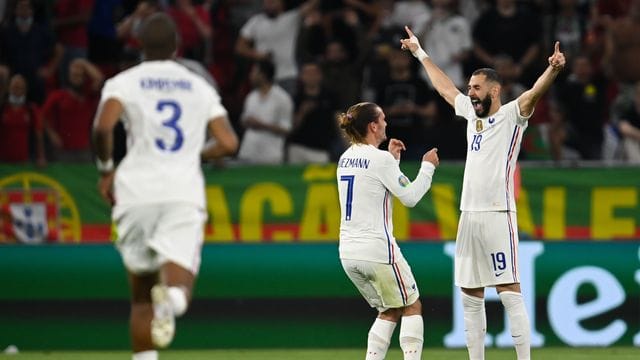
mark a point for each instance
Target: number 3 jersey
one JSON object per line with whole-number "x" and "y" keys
{"x": 368, "y": 178}
{"x": 166, "y": 112}
{"x": 493, "y": 144}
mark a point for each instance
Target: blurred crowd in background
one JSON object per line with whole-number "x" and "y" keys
{"x": 285, "y": 68}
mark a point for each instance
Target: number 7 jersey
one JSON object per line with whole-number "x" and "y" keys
{"x": 166, "y": 112}
{"x": 368, "y": 178}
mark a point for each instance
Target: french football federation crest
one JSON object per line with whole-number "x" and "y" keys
{"x": 479, "y": 125}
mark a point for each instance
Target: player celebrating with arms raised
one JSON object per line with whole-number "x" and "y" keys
{"x": 367, "y": 179}
{"x": 487, "y": 239}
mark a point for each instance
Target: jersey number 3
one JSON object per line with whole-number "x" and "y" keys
{"x": 172, "y": 123}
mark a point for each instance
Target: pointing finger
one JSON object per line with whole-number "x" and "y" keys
{"x": 557, "y": 48}
{"x": 408, "y": 31}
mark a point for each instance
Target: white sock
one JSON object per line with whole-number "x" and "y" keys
{"x": 379, "y": 339}
{"x": 412, "y": 337}
{"x": 475, "y": 325}
{"x": 519, "y": 320}
{"x": 145, "y": 355}
{"x": 178, "y": 300}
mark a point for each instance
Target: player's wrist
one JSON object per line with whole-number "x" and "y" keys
{"x": 420, "y": 54}
{"x": 104, "y": 166}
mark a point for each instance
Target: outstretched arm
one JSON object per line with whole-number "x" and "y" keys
{"x": 527, "y": 101}
{"x": 441, "y": 82}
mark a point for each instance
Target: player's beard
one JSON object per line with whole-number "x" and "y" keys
{"x": 486, "y": 105}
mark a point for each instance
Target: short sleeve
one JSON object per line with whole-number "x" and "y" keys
{"x": 286, "y": 118}
{"x": 216, "y": 109}
{"x": 463, "y": 106}
{"x": 248, "y": 31}
{"x": 520, "y": 120}
{"x": 111, "y": 90}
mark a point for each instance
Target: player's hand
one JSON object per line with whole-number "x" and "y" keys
{"x": 432, "y": 157}
{"x": 412, "y": 44}
{"x": 395, "y": 147}
{"x": 557, "y": 60}
{"x": 105, "y": 187}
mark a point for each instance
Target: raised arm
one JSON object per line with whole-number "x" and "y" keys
{"x": 528, "y": 100}
{"x": 441, "y": 82}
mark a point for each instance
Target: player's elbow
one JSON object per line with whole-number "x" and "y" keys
{"x": 409, "y": 202}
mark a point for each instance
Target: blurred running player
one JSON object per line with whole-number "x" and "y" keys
{"x": 158, "y": 189}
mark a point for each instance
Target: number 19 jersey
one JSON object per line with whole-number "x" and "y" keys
{"x": 166, "y": 112}
{"x": 492, "y": 152}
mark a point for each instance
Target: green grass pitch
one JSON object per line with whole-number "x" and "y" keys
{"x": 621, "y": 353}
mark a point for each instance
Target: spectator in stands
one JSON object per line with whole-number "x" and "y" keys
{"x": 104, "y": 47}
{"x": 4, "y": 82}
{"x": 70, "y": 24}
{"x": 506, "y": 69}
{"x": 20, "y": 126}
{"x": 128, "y": 29}
{"x": 448, "y": 38}
{"x": 267, "y": 118}
{"x": 567, "y": 25}
{"x": 623, "y": 47}
{"x": 27, "y": 48}
{"x": 627, "y": 118}
{"x": 342, "y": 73}
{"x": 398, "y": 13}
{"x": 272, "y": 35}
{"x": 409, "y": 105}
{"x": 315, "y": 128}
{"x": 68, "y": 112}
{"x": 194, "y": 28}
{"x": 581, "y": 103}
{"x": 512, "y": 30}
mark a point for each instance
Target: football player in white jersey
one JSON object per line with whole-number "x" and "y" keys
{"x": 158, "y": 189}
{"x": 487, "y": 239}
{"x": 368, "y": 178}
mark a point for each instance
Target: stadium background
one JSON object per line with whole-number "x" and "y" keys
{"x": 270, "y": 269}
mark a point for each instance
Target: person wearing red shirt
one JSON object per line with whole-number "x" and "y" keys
{"x": 70, "y": 21}
{"x": 194, "y": 27}
{"x": 19, "y": 121}
{"x": 68, "y": 113}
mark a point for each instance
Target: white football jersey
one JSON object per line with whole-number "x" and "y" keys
{"x": 166, "y": 112}
{"x": 367, "y": 178}
{"x": 493, "y": 144}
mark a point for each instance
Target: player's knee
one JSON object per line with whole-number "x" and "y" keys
{"x": 413, "y": 309}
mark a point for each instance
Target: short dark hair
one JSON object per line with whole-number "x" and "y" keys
{"x": 355, "y": 121}
{"x": 159, "y": 37}
{"x": 266, "y": 68}
{"x": 489, "y": 73}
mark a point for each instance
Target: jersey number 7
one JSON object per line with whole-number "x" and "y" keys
{"x": 349, "y": 179}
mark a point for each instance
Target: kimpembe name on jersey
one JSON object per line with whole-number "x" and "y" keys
{"x": 165, "y": 84}
{"x": 354, "y": 163}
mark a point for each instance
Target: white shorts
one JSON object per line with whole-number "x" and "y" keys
{"x": 487, "y": 249}
{"x": 151, "y": 235}
{"x": 384, "y": 286}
